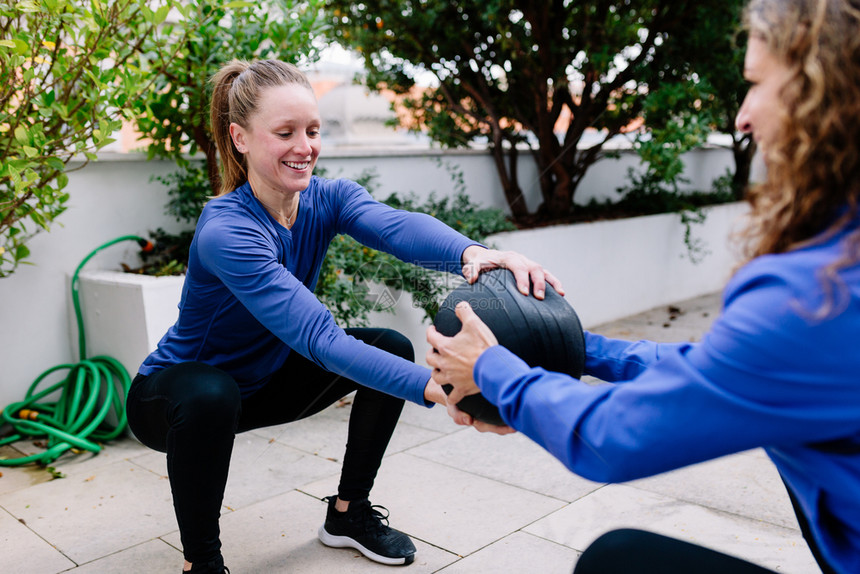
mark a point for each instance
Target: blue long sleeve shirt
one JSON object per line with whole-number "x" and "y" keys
{"x": 769, "y": 373}
{"x": 248, "y": 300}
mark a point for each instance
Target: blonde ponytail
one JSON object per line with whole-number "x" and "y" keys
{"x": 235, "y": 95}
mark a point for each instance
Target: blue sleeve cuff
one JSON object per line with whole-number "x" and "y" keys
{"x": 496, "y": 367}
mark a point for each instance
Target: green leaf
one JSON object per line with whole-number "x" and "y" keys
{"x": 55, "y": 163}
{"x": 22, "y": 135}
{"x": 38, "y": 219}
{"x": 21, "y": 46}
{"x": 15, "y": 175}
{"x": 7, "y": 43}
{"x": 161, "y": 14}
{"x": 26, "y": 6}
{"x": 30, "y": 151}
{"x": 148, "y": 13}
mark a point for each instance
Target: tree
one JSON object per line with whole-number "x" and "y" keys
{"x": 512, "y": 73}
{"x": 175, "y": 115}
{"x": 68, "y": 76}
{"x": 720, "y": 62}
{"x": 709, "y": 95}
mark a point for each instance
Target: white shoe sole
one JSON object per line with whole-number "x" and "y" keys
{"x": 347, "y": 542}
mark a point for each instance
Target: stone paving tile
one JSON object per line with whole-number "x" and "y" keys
{"x": 617, "y": 506}
{"x": 259, "y": 469}
{"x": 86, "y": 464}
{"x": 324, "y": 434}
{"x": 279, "y": 535}
{"x": 118, "y": 506}
{"x": 447, "y": 507}
{"x": 153, "y": 461}
{"x": 23, "y": 550}
{"x": 746, "y": 484}
{"x": 517, "y": 553}
{"x": 70, "y": 464}
{"x": 683, "y": 321}
{"x": 510, "y": 459}
{"x": 151, "y": 557}
{"x": 18, "y": 477}
{"x": 435, "y": 418}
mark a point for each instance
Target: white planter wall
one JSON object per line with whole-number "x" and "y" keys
{"x": 125, "y": 315}
{"x": 407, "y": 170}
{"x": 116, "y": 196}
{"x": 610, "y": 269}
{"x": 108, "y": 199}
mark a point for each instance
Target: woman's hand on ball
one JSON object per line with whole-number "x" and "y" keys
{"x": 453, "y": 358}
{"x": 434, "y": 393}
{"x": 465, "y": 419}
{"x": 459, "y": 417}
{"x": 477, "y": 259}
{"x": 481, "y": 426}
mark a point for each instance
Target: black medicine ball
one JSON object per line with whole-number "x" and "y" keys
{"x": 543, "y": 333}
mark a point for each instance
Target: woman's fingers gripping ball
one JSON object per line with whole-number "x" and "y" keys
{"x": 453, "y": 358}
{"x": 466, "y": 419}
{"x": 526, "y": 272}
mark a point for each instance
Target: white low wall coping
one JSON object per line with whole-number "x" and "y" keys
{"x": 611, "y": 269}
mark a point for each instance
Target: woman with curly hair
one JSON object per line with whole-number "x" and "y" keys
{"x": 780, "y": 367}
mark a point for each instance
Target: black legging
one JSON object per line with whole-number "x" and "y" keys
{"x": 629, "y": 551}
{"x": 192, "y": 411}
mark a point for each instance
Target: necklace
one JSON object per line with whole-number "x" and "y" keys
{"x": 286, "y": 221}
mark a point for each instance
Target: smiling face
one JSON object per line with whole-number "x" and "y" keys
{"x": 282, "y": 140}
{"x": 764, "y": 111}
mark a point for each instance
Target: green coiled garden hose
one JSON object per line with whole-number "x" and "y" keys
{"x": 92, "y": 388}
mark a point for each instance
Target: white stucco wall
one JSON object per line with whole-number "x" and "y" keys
{"x": 408, "y": 169}
{"x": 116, "y": 196}
{"x": 610, "y": 269}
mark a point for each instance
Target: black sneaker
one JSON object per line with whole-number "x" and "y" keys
{"x": 366, "y": 529}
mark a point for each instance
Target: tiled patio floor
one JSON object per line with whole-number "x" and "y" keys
{"x": 473, "y": 503}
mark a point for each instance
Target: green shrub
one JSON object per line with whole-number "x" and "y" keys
{"x": 69, "y": 74}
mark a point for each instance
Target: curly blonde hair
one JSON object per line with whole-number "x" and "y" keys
{"x": 813, "y": 169}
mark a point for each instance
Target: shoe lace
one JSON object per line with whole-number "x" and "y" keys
{"x": 371, "y": 516}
